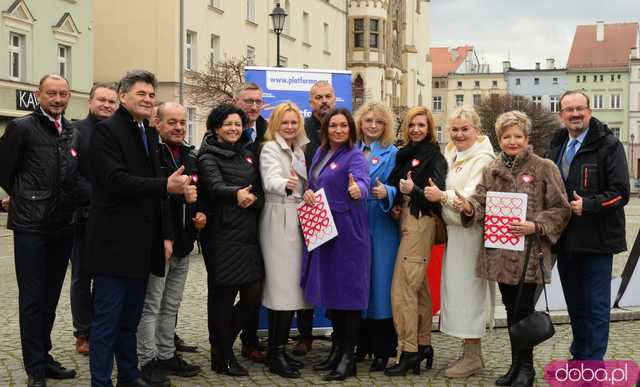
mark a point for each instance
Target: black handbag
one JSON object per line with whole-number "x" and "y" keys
{"x": 536, "y": 327}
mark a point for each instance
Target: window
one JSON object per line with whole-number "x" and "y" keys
{"x": 64, "y": 61}
{"x": 613, "y": 77}
{"x": 215, "y": 4}
{"x": 555, "y": 103}
{"x": 437, "y": 104}
{"x": 616, "y": 132}
{"x": 601, "y": 78}
{"x": 191, "y": 118}
{"x": 517, "y": 81}
{"x": 476, "y": 83}
{"x": 459, "y": 84}
{"x": 615, "y": 101}
{"x": 476, "y": 99}
{"x": 16, "y": 56}
{"x": 439, "y": 133}
{"x": 325, "y": 30}
{"x": 251, "y": 56}
{"x": 584, "y": 78}
{"x": 619, "y": 76}
{"x": 305, "y": 27}
{"x": 436, "y": 84}
{"x": 374, "y": 30}
{"x": 358, "y": 33}
{"x": 494, "y": 83}
{"x": 459, "y": 99}
{"x": 536, "y": 81}
{"x": 214, "y": 49}
{"x": 251, "y": 10}
{"x": 595, "y": 78}
{"x": 598, "y": 101}
{"x": 554, "y": 81}
{"x": 189, "y": 50}
{"x": 536, "y": 99}
{"x": 578, "y": 79}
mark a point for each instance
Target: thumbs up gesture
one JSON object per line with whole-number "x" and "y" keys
{"x": 354, "y": 188}
{"x": 432, "y": 193}
{"x": 177, "y": 182}
{"x": 461, "y": 204}
{"x": 406, "y": 185}
{"x": 245, "y": 197}
{"x": 292, "y": 182}
{"x": 379, "y": 191}
{"x": 576, "y": 204}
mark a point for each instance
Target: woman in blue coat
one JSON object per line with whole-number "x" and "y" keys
{"x": 335, "y": 275}
{"x": 375, "y": 131}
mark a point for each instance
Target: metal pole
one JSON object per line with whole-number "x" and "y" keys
{"x": 278, "y": 49}
{"x": 181, "y": 69}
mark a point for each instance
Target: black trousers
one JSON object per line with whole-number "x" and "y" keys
{"x": 41, "y": 264}
{"x": 346, "y": 328}
{"x": 509, "y": 294}
{"x": 228, "y": 319}
{"x": 304, "y": 322}
{"x": 249, "y": 335}
{"x": 80, "y": 290}
{"x": 377, "y": 337}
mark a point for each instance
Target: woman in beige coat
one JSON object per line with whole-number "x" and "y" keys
{"x": 518, "y": 169}
{"x": 284, "y": 177}
{"x": 463, "y": 294}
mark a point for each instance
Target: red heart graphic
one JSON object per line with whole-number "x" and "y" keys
{"x": 493, "y": 238}
{"x": 514, "y": 240}
{"x": 504, "y": 219}
{"x": 505, "y": 230}
{"x": 504, "y": 238}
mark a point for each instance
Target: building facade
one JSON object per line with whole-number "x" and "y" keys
{"x": 543, "y": 86}
{"x": 182, "y": 36}
{"x": 41, "y": 37}
{"x": 634, "y": 114}
{"x": 599, "y": 66}
{"x": 388, "y": 51}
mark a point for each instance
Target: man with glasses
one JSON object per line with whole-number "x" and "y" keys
{"x": 248, "y": 97}
{"x": 594, "y": 168}
{"x": 38, "y": 154}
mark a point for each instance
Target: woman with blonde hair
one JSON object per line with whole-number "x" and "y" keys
{"x": 376, "y": 138}
{"x": 284, "y": 177}
{"x": 418, "y": 164}
{"x": 463, "y": 294}
{"x": 518, "y": 169}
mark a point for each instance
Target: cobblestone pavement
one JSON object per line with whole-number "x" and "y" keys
{"x": 192, "y": 326}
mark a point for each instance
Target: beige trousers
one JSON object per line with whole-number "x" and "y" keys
{"x": 410, "y": 297}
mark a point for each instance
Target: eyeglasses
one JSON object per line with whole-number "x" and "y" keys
{"x": 577, "y": 109}
{"x": 249, "y": 101}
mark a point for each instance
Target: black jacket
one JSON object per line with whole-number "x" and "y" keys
{"x": 39, "y": 172}
{"x": 84, "y": 129}
{"x": 599, "y": 174}
{"x": 230, "y": 239}
{"x": 181, "y": 213}
{"x": 128, "y": 220}
{"x": 312, "y": 128}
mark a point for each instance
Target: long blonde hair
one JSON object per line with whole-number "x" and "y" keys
{"x": 278, "y": 115}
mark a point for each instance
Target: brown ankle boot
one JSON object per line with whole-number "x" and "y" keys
{"x": 470, "y": 363}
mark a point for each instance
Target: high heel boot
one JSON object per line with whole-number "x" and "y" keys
{"x": 346, "y": 368}
{"x": 278, "y": 334}
{"x": 408, "y": 361}
{"x": 508, "y": 378}
{"x": 426, "y": 353}
{"x": 526, "y": 373}
{"x": 332, "y": 360}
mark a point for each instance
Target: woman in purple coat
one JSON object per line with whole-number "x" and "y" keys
{"x": 335, "y": 276}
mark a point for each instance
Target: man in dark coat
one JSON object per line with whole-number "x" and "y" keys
{"x": 39, "y": 171}
{"x": 103, "y": 101}
{"x": 248, "y": 97}
{"x": 594, "y": 167}
{"x": 129, "y": 234}
{"x": 322, "y": 100}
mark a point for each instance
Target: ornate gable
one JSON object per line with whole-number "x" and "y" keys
{"x": 18, "y": 16}
{"x": 66, "y": 30}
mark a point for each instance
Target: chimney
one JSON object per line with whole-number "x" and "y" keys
{"x": 506, "y": 66}
{"x": 537, "y": 66}
{"x": 551, "y": 63}
{"x": 634, "y": 53}
{"x": 599, "y": 31}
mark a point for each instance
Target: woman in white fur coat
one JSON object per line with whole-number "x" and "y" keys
{"x": 463, "y": 294}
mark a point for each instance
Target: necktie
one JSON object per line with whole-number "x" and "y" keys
{"x": 58, "y": 126}
{"x": 248, "y": 135}
{"x": 144, "y": 137}
{"x": 568, "y": 156}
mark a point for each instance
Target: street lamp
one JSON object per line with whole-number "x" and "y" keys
{"x": 278, "y": 15}
{"x": 631, "y": 160}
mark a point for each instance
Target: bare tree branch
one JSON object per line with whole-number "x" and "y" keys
{"x": 211, "y": 88}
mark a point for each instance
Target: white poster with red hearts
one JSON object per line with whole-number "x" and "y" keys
{"x": 317, "y": 222}
{"x": 502, "y": 209}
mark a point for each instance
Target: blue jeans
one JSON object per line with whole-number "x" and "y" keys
{"x": 117, "y": 308}
{"x": 586, "y": 284}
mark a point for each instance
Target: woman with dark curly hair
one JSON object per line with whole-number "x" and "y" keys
{"x": 232, "y": 192}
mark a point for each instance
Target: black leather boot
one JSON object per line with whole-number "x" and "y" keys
{"x": 408, "y": 361}
{"x": 509, "y": 377}
{"x": 426, "y": 353}
{"x": 346, "y": 368}
{"x": 379, "y": 364}
{"x": 331, "y": 362}
{"x": 230, "y": 366}
{"x": 526, "y": 373}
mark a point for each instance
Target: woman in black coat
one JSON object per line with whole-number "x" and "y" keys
{"x": 232, "y": 192}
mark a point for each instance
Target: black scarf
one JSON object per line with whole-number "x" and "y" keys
{"x": 421, "y": 153}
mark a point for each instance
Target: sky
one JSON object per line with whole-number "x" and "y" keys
{"x": 523, "y": 31}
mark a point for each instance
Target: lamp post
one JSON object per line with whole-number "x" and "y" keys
{"x": 278, "y": 15}
{"x": 631, "y": 160}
